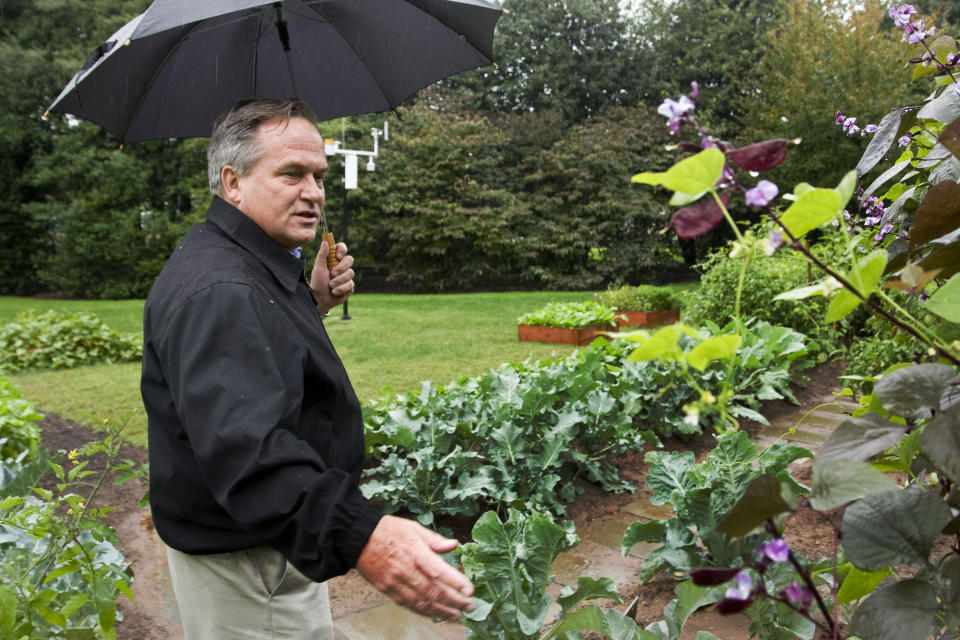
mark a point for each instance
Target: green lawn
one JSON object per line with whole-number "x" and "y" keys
{"x": 393, "y": 341}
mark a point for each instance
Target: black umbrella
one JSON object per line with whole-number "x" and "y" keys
{"x": 172, "y": 70}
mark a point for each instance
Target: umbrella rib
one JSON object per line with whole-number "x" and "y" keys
{"x": 326, "y": 19}
{"x": 143, "y": 96}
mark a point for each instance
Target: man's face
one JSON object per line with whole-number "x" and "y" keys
{"x": 284, "y": 192}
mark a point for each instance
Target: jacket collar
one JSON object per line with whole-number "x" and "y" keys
{"x": 287, "y": 269}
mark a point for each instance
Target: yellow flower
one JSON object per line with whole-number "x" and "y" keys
{"x": 73, "y": 455}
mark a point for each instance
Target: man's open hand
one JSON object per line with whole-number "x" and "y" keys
{"x": 401, "y": 560}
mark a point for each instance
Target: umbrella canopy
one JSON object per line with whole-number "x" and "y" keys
{"x": 171, "y": 71}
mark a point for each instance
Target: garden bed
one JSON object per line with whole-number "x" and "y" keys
{"x": 148, "y": 621}
{"x": 579, "y": 336}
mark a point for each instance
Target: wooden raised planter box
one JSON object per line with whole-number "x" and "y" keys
{"x": 648, "y": 318}
{"x": 580, "y": 336}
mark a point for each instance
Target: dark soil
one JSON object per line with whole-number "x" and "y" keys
{"x": 807, "y": 532}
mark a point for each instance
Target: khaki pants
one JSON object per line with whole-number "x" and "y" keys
{"x": 254, "y": 594}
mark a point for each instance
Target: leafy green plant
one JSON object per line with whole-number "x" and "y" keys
{"x": 53, "y": 340}
{"x": 19, "y": 433}
{"x": 700, "y": 494}
{"x": 61, "y": 572}
{"x": 509, "y": 562}
{"x": 520, "y": 436}
{"x": 644, "y": 297}
{"x": 570, "y": 315}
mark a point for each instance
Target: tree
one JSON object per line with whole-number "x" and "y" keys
{"x": 713, "y": 42}
{"x": 828, "y": 58}
{"x": 572, "y": 56}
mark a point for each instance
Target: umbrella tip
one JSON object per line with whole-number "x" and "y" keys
{"x": 46, "y": 113}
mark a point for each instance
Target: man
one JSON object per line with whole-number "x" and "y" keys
{"x": 255, "y": 433}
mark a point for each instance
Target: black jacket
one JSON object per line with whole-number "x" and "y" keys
{"x": 255, "y": 433}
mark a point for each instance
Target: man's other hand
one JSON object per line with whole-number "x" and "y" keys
{"x": 401, "y": 560}
{"x": 332, "y": 287}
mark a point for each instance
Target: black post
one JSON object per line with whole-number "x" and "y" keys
{"x": 346, "y": 223}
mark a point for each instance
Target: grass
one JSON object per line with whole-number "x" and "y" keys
{"x": 392, "y": 342}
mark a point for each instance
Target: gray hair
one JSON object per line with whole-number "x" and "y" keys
{"x": 234, "y": 139}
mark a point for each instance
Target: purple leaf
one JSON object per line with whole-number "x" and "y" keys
{"x": 711, "y": 576}
{"x": 700, "y": 218}
{"x": 760, "y": 156}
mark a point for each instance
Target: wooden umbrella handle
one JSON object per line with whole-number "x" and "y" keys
{"x": 332, "y": 254}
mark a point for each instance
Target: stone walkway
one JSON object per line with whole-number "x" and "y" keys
{"x": 360, "y": 613}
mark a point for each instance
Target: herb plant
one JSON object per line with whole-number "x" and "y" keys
{"x": 570, "y": 315}
{"x": 61, "y": 572}
{"x": 644, "y": 297}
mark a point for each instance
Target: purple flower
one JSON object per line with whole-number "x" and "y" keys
{"x": 901, "y": 15}
{"x": 840, "y": 117}
{"x": 870, "y": 128}
{"x": 694, "y": 90}
{"x": 775, "y": 550}
{"x": 887, "y": 228}
{"x": 743, "y": 588}
{"x": 869, "y": 221}
{"x": 915, "y": 32}
{"x": 675, "y": 111}
{"x": 848, "y": 123}
{"x": 853, "y": 130}
{"x": 762, "y": 194}
{"x": 904, "y": 140}
{"x": 799, "y": 594}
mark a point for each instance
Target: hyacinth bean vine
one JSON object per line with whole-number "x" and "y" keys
{"x": 902, "y": 233}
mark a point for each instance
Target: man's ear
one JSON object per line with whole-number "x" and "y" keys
{"x": 230, "y": 183}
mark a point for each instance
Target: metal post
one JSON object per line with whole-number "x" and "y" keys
{"x": 346, "y": 222}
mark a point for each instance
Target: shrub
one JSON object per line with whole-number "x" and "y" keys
{"x": 19, "y": 434}
{"x": 765, "y": 278}
{"x": 54, "y": 340}
{"x": 641, "y": 298}
{"x": 569, "y": 315}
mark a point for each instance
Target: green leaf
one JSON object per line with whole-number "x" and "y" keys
{"x": 696, "y": 174}
{"x": 812, "y": 208}
{"x": 587, "y": 589}
{"x": 846, "y": 187}
{"x": 903, "y": 611}
{"x": 640, "y": 531}
{"x": 716, "y": 348}
{"x": 761, "y": 500}
{"x": 841, "y": 305}
{"x": 611, "y": 623}
{"x": 859, "y": 583}
{"x": 911, "y": 389}
{"x": 690, "y": 597}
{"x": 860, "y": 439}
{"x": 940, "y": 441}
{"x": 945, "y": 301}
{"x": 662, "y": 344}
{"x": 895, "y": 527}
{"x": 8, "y": 609}
{"x": 864, "y": 277}
{"x": 837, "y": 482}
{"x": 73, "y": 605}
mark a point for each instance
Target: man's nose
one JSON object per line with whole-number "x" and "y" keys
{"x": 312, "y": 190}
